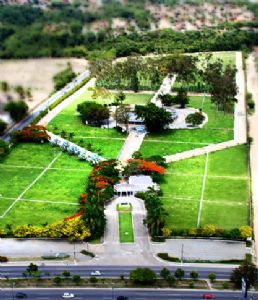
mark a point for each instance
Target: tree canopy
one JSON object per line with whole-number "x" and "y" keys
{"x": 155, "y": 118}
{"x": 93, "y": 113}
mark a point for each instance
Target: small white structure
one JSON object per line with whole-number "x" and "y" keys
{"x": 138, "y": 183}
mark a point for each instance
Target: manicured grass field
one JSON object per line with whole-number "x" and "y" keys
{"x": 108, "y": 141}
{"x": 44, "y": 195}
{"x": 226, "y": 196}
{"x": 219, "y": 128}
{"x": 126, "y": 234}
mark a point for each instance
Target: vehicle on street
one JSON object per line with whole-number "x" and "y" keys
{"x": 21, "y": 295}
{"x": 122, "y": 298}
{"x": 208, "y": 296}
{"x": 68, "y": 295}
{"x": 95, "y": 273}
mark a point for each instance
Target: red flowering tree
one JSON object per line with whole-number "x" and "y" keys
{"x": 32, "y": 133}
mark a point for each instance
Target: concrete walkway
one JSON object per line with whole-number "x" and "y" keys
{"x": 252, "y": 87}
{"x": 54, "y": 112}
{"x": 240, "y": 118}
{"x": 132, "y": 143}
{"x": 200, "y": 151}
{"x": 165, "y": 88}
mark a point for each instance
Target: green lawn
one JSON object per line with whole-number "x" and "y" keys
{"x": 126, "y": 234}
{"x": 99, "y": 139}
{"x": 219, "y": 128}
{"x": 52, "y": 197}
{"x": 226, "y": 190}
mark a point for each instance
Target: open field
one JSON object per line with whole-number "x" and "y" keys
{"x": 126, "y": 234}
{"x": 219, "y": 128}
{"x": 213, "y": 188}
{"x": 36, "y": 74}
{"x": 108, "y": 141}
{"x": 40, "y": 184}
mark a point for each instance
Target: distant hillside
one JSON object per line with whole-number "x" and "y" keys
{"x": 110, "y": 28}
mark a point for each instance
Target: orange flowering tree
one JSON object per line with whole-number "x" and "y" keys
{"x": 140, "y": 166}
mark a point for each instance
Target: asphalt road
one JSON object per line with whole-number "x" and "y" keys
{"x": 109, "y": 271}
{"x": 26, "y": 121}
{"x": 108, "y": 294}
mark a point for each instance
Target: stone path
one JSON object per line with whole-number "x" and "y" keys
{"x": 252, "y": 87}
{"x": 132, "y": 143}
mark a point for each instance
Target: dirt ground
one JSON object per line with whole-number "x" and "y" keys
{"x": 36, "y": 74}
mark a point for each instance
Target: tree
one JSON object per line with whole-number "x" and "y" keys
{"x": 5, "y": 86}
{"x": 93, "y": 113}
{"x": 194, "y": 275}
{"x": 167, "y": 99}
{"x": 171, "y": 280}
{"x": 195, "y": 119}
{"x": 93, "y": 279}
{"x": 20, "y": 91}
{"x": 119, "y": 98}
{"x": 3, "y": 126}
{"x": 57, "y": 279}
{"x": 122, "y": 115}
{"x": 164, "y": 273}
{"x": 246, "y": 270}
{"x": 66, "y": 274}
{"x": 17, "y": 109}
{"x": 181, "y": 98}
{"x": 76, "y": 279}
{"x": 143, "y": 276}
{"x": 64, "y": 77}
{"x": 212, "y": 277}
{"x": 179, "y": 273}
{"x": 222, "y": 85}
{"x": 32, "y": 268}
{"x": 99, "y": 92}
{"x": 155, "y": 118}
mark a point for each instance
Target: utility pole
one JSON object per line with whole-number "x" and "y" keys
{"x": 182, "y": 254}
{"x": 13, "y": 283}
{"x": 112, "y": 284}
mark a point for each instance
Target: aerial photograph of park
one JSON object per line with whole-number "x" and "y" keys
{"x": 128, "y": 149}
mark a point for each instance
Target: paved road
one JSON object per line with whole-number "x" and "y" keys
{"x": 108, "y": 294}
{"x": 46, "y": 104}
{"x": 110, "y": 271}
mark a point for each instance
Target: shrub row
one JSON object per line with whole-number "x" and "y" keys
{"x": 212, "y": 231}
{"x": 44, "y": 112}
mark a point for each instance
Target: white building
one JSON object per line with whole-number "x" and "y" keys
{"x": 138, "y": 183}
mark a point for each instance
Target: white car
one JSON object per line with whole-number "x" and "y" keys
{"x": 68, "y": 295}
{"x": 95, "y": 273}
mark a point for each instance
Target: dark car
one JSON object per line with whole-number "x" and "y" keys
{"x": 20, "y": 295}
{"x": 122, "y": 298}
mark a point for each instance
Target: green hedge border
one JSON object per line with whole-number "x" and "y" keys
{"x": 44, "y": 112}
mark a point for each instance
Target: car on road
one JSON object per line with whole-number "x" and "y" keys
{"x": 68, "y": 295}
{"x": 208, "y": 296}
{"x": 95, "y": 273}
{"x": 21, "y": 295}
{"x": 122, "y": 298}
